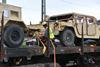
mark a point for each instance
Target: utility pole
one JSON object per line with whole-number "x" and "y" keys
{"x": 4, "y": 1}
{"x": 43, "y": 10}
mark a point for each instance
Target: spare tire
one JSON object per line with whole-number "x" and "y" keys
{"x": 68, "y": 37}
{"x": 13, "y": 36}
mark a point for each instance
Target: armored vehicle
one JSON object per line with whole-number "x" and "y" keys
{"x": 14, "y": 27}
{"x": 68, "y": 28}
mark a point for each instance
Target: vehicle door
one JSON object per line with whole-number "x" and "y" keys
{"x": 91, "y": 26}
{"x": 80, "y": 20}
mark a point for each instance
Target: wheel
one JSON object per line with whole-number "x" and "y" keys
{"x": 13, "y": 36}
{"x": 67, "y": 37}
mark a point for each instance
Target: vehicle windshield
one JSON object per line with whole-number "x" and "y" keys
{"x": 64, "y": 17}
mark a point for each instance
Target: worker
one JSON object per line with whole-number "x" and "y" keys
{"x": 38, "y": 34}
{"x": 48, "y": 38}
{"x": 31, "y": 40}
{"x": 48, "y": 35}
{"x": 50, "y": 32}
{"x": 56, "y": 29}
{"x": 56, "y": 33}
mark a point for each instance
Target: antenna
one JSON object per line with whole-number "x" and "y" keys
{"x": 43, "y": 10}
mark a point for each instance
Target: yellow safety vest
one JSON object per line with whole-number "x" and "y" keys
{"x": 51, "y": 34}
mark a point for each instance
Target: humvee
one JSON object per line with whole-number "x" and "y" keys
{"x": 68, "y": 28}
{"x": 14, "y": 27}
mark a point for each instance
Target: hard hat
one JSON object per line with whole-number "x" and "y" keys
{"x": 44, "y": 23}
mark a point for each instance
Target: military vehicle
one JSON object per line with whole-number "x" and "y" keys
{"x": 14, "y": 27}
{"x": 68, "y": 28}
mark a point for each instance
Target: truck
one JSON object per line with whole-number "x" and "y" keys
{"x": 13, "y": 25}
{"x": 68, "y": 28}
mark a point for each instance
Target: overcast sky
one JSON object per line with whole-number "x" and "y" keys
{"x": 31, "y": 9}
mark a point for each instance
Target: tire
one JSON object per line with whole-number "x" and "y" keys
{"x": 67, "y": 37}
{"x": 13, "y": 36}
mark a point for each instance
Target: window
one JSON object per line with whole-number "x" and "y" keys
{"x": 6, "y": 13}
{"x": 79, "y": 19}
{"x": 89, "y": 20}
{"x": 14, "y": 14}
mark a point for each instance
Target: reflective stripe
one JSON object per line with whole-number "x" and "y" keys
{"x": 51, "y": 33}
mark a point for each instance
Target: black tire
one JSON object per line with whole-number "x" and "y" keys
{"x": 13, "y": 36}
{"x": 68, "y": 38}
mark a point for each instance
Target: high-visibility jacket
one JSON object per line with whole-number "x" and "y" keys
{"x": 51, "y": 34}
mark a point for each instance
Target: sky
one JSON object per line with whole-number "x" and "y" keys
{"x": 31, "y": 9}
